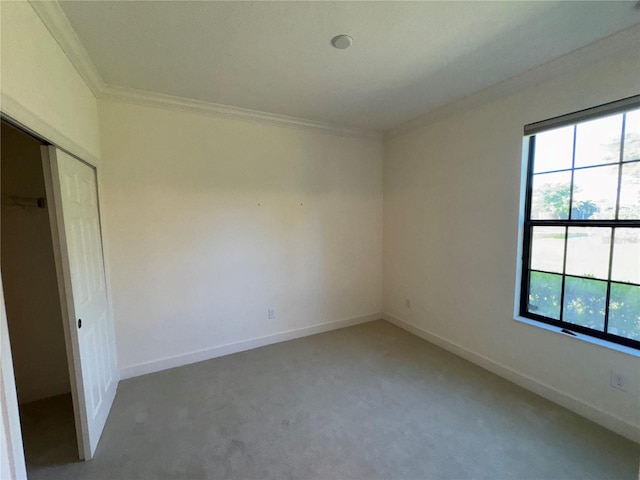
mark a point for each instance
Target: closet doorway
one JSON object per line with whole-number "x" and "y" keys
{"x": 34, "y": 313}
{"x": 55, "y": 293}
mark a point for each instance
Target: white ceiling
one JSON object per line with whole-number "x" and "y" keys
{"x": 276, "y": 57}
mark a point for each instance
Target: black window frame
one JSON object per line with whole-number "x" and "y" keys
{"x": 530, "y": 131}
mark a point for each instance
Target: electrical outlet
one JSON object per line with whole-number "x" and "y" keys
{"x": 271, "y": 314}
{"x": 618, "y": 381}
{"x": 407, "y": 303}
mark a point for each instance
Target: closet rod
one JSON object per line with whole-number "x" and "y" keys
{"x": 18, "y": 201}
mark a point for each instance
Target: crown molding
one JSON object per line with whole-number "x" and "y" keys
{"x": 151, "y": 99}
{"x": 590, "y": 53}
{"x": 58, "y": 25}
{"x": 61, "y": 30}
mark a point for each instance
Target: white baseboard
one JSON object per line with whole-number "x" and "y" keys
{"x": 220, "y": 351}
{"x": 607, "y": 420}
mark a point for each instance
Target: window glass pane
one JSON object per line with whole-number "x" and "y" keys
{"x": 632, "y": 136}
{"x": 598, "y": 141}
{"x": 545, "y": 290}
{"x": 553, "y": 150}
{"x": 630, "y": 192}
{"x": 547, "y": 249}
{"x": 624, "y": 311}
{"x": 583, "y": 227}
{"x": 588, "y": 252}
{"x": 584, "y": 302}
{"x": 594, "y": 193}
{"x": 626, "y": 255}
{"x": 551, "y": 196}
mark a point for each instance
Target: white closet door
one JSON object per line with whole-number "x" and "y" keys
{"x": 89, "y": 320}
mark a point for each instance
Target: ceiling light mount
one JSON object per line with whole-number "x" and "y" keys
{"x": 342, "y": 41}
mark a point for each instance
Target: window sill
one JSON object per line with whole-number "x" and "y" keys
{"x": 579, "y": 336}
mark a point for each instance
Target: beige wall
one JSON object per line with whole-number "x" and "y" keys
{"x": 213, "y": 221}
{"x": 451, "y": 206}
{"x": 195, "y": 257}
{"x": 29, "y": 275}
{"x": 41, "y": 88}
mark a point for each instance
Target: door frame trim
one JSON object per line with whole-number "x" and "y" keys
{"x": 10, "y": 433}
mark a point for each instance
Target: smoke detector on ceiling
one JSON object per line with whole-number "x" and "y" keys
{"x": 342, "y": 41}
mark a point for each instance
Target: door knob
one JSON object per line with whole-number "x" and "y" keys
{"x": 79, "y": 323}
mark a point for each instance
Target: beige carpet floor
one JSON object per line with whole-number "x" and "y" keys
{"x": 366, "y": 402}
{"x": 48, "y": 432}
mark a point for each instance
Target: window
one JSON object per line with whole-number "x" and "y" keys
{"x": 581, "y": 250}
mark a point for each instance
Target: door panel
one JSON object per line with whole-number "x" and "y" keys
{"x": 74, "y": 189}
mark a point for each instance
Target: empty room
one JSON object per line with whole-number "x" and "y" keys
{"x": 320, "y": 240}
